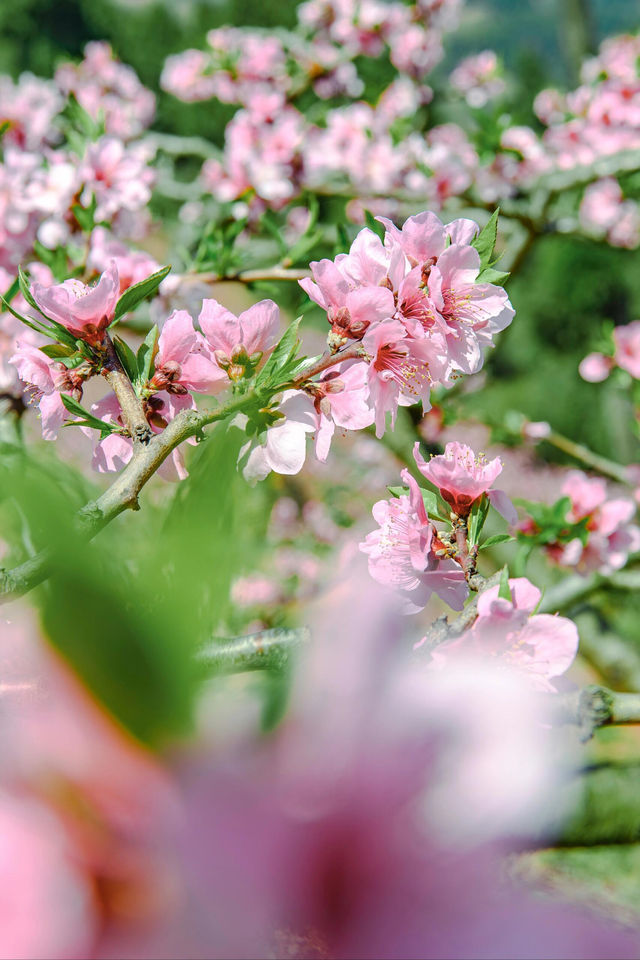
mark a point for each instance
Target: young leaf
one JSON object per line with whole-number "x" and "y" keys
{"x": 497, "y": 538}
{"x": 87, "y": 419}
{"x": 25, "y": 289}
{"x": 11, "y": 292}
{"x": 34, "y": 324}
{"x": 489, "y": 275}
{"x": 486, "y": 240}
{"x": 477, "y": 517}
{"x": 505, "y": 590}
{"x": 146, "y": 355}
{"x": 86, "y": 216}
{"x": 127, "y": 358}
{"x": 373, "y": 224}
{"x": 271, "y": 374}
{"x": 56, "y": 351}
{"x": 138, "y": 292}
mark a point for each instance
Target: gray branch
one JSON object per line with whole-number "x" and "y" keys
{"x": 266, "y": 650}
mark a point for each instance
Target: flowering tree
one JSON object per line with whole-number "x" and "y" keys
{"x": 415, "y": 726}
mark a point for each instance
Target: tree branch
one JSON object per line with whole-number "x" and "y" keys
{"x": 122, "y": 494}
{"x": 130, "y": 403}
{"x": 596, "y": 707}
{"x": 251, "y": 276}
{"x": 575, "y": 589}
{"x": 266, "y": 650}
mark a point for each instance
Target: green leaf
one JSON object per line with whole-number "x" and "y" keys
{"x": 146, "y": 356}
{"x": 127, "y": 358}
{"x": 497, "y": 538}
{"x": 486, "y": 240}
{"x": 88, "y": 420}
{"x": 476, "y": 520}
{"x": 25, "y": 289}
{"x": 139, "y": 292}
{"x": 34, "y": 324}
{"x": 82, "y": 120}
{"x": 431, "y": 501}
{"x": 12, "y": 291}
{"x": 505, "y": 590}
{"x": 86, "y": 216}
{"x": 373, "y": 224}
{"x": 489, "y": 275}
{"x": 272, "y": 374}
{"x": 56, "y": 351}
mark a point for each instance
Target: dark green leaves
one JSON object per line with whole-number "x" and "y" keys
{"x": 551, "y": 524}
{"x": 139, "y": 292}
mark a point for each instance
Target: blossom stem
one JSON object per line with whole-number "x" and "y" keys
{"x": 443, "y": 629}
{"x": 352, "y": 352}
{"x": 465, "y": 557}
{"x": 132, "y": 410}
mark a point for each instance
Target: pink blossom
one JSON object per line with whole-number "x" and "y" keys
{"x": 627, "y": 348}
{"x": 237, "y": 344}
{"x": 181, "y": 362}
{"x": 340, "y": 399}
{"x": 401, "y": 553}
{"x": 283, "y": 446}
{"x": 349, "y": 311}
{"x": 541, "y": 647}
{"x": 86, "y": 311}
{"x": 462, "y": 478}
{"x": 472, "y": 312}
{"x": 46, "y": 379}
{"x": 421, "y": 238}
{"x": 400, "y": 369}
{"x": 595, "y": 367}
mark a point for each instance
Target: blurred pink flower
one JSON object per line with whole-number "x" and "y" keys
{"x": 627, "y": 348}
{"x": 539, "y": 646}
{"x": 595, "y": 367}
